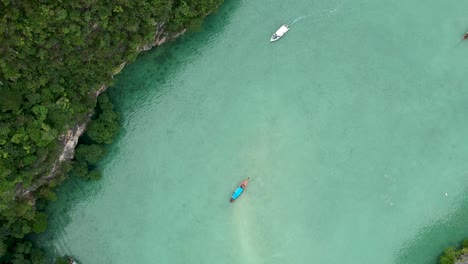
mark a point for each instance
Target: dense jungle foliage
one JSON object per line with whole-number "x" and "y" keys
{"x": 452, "y": 255}
{"x": 54, "y": 57}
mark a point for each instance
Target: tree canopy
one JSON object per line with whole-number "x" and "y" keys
{"x": 55, "y": 55}
{"x": 452, "y": 254}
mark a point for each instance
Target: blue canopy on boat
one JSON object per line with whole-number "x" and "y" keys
{"x": 237, "y": 193}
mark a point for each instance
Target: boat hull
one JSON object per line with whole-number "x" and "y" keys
{"x": 239, "y": 190}
{"x": 279, "y": 33}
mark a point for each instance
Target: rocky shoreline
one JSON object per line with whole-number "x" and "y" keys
{"x": 463, "y": 259}
{"x": 69, "y": 140}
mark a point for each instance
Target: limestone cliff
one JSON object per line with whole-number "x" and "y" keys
{"x": 69, "y": 140}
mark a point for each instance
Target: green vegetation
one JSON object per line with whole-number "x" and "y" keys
{"x": 24, "y": 252}
{"x": 62, "y": 260}
{"x": 105, "y": 126}
{"x": 55, "y": 55}
{"x": 452, "y": 254}
{"x": 101, "y": 130}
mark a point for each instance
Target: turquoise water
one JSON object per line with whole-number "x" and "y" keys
{"x": 353, "y": 129}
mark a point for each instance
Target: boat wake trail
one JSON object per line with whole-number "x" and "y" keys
{"x": 323, "y": 14}
{"x": 297, "y": 20}
{"x": 319, "y": 15}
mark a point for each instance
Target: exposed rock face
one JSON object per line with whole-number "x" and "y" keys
{"x": 160, "y": 37}
{"x": 463, "y": 259}
{"x": 70, "y": 139}
{"x": 69, "y": 142}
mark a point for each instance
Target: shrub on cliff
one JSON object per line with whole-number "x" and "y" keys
{"x": 89, "y": 153}
{"x": 55, "y": 54}
{"x": 40, "y": 222}
{"x": 451, "y": 254}
{"x": 103, "y": 128}
{"x": 62, "y": 260}
{"x": 94, "y": 175}
{"x": 24, "y": 253}
{"x": 83, "y": 169}
{"x": 80, "y": 169}
{"x": 465, "y": 243}
{"x": 190, "y": 14}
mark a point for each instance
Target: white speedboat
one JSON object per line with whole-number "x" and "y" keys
{"x": 279, "y": 33}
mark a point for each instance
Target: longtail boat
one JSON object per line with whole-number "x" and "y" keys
{"x": 239, "y": 190}
{"x": 465, "y": 37}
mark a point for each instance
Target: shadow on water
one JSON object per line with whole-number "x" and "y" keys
{"x": 431, "y": 241}
{"x": 157, "y": 66}
{"x": 143, "y": 83}
{"x": 71, "y": 196}
{"x": 132, "y": 84}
